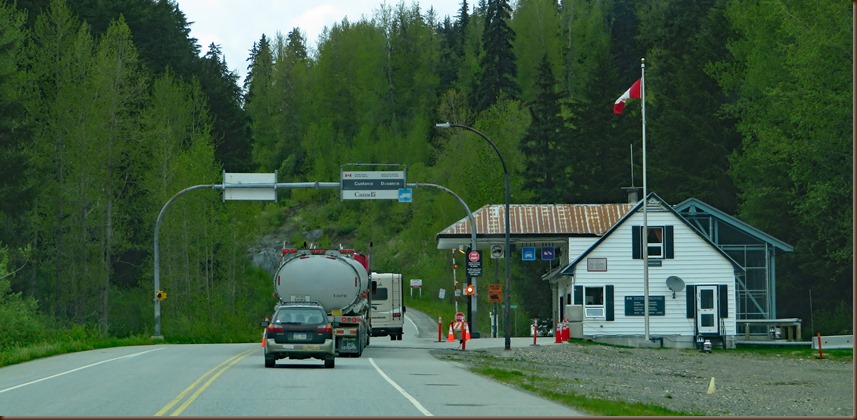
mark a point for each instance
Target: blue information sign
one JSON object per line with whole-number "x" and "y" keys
{"x": 406, "y": 195}
{"x": 528, "y": 253}
{"x": 548, "y": 253}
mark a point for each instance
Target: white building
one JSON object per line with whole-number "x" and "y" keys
{"x": 691, "y": 283}
{"x": 723, "y": 270}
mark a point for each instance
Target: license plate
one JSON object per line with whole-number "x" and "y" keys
{"x": 299, "y": 336}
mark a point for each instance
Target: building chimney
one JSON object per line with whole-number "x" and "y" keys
{"x": 633, "y": 194}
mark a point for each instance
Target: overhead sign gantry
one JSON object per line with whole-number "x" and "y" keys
{"x": 371, "y": 185}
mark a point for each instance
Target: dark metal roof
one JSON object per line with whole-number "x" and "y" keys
{"x": 541, "y": 220}
{"x": 695, "y": 207}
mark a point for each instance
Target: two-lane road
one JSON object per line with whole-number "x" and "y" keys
{"x": 392, "y": 378}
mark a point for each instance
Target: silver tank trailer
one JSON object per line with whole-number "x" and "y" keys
{"x": 333, "y": 281}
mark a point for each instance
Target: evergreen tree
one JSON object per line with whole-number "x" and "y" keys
{"x": 498, "y": 65}
{"x": 160, "y": 31}
{"x": 461, "y": 24}
{"x": 116, "y": 159}
{"x": 260, "y": 106}
{"x": 449, "y": 57}
{"x": 537, "y": 34}
{"x": 541, "y": 145}
{"x": 16, "y": 187}
{"x": 231, "y": 126}
{"x": 60, "y": 56}
{"x": 690, "y": 144}
{"x": 292, "y": 99}
{"x": 596, "y": 150}
{"x": 790, "y": 71}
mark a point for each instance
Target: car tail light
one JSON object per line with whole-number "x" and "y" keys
{"x": 275, "y": 328}
{"x": 324, "y": 329}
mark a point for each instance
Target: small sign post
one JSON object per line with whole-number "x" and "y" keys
{"x": 495, "y": 292}
{"x": 416, "y": 284}
{"x": 474, "y": 263}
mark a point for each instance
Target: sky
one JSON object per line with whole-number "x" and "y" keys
{"x": 236, "y": 24}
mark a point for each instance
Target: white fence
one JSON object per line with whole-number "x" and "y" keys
{"x": 834, "y": 342}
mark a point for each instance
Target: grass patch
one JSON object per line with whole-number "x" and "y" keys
{"x": 596, "y": 406}
{"x": 15, "y": 355}
{"x": 840, "y": 355}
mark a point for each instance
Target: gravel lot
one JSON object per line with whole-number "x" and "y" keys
{"x": 744, "y": 385}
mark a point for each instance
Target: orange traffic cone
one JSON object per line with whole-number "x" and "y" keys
{"x": 451, "y": 337}
{"x": 466, "y": 331}
{"x": 263, "y": 340}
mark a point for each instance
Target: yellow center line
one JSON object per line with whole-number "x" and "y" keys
{"x": 222, "y": 366}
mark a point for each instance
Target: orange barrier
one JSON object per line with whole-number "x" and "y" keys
{"x": 566, "y": 331}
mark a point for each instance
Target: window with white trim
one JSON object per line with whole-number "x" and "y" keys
{"x": 655, "y": 242}
{"x": 659, "y": 242}
{"x": 593, "y": 302}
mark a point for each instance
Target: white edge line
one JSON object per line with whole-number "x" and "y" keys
{"x": 414, "y": 324}
{"x": 401, "y": 391}
{"x": 77, "y": 369}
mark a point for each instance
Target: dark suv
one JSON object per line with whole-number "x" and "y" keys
{"x": 299, "y": 331}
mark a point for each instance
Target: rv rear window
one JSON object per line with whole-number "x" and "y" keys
{"x": 380, "y": 294}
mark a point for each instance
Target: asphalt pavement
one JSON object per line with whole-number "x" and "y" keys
{"x": 427, "y": 328}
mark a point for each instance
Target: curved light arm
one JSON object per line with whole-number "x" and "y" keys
{"x": 494, "y": 146}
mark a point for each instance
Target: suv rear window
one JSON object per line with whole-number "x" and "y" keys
{"x": 300, "y": 316}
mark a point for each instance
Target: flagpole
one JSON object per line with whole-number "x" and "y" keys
{"x": 645, "y": 234}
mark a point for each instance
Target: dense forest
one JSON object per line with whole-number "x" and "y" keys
{"x": 110, "y": 108}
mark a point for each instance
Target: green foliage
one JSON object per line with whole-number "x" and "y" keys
{"x": 790, "y": 74}
{"x": 537, "y": 39}
{"x": 835, "y": 321}
{"x": 689, "y": 155}
{"x": 15, "y": 124}
{"x": 20, "y": 322}
{"x": 544, "y": 173}
{"x": 106, "y": 118}
{"x": 62, "y": 345}
{"x": 499, "y": 68}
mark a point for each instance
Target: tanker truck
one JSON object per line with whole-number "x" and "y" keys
{"x": 337, "y": 281}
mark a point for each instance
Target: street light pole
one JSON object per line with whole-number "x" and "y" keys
{"x": 507, "y": 249}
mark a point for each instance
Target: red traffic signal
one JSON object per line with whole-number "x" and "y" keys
{"x": 469, "y": 290}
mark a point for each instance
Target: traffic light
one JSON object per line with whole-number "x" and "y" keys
{"x": 161, "y": 295}
{"x": 469, "y": 290}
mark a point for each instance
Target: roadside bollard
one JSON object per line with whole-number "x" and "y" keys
{"x": 820, "y": 355}
{"x": 535, "y": 330}
{"x": 439, "y": 330}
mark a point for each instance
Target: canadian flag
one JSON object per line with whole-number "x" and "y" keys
{"x": 632, "y": 92}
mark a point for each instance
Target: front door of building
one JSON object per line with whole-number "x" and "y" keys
{"x": 707, "y": 318}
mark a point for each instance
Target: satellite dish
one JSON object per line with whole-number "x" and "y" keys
{"x": 676, "y": 284}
